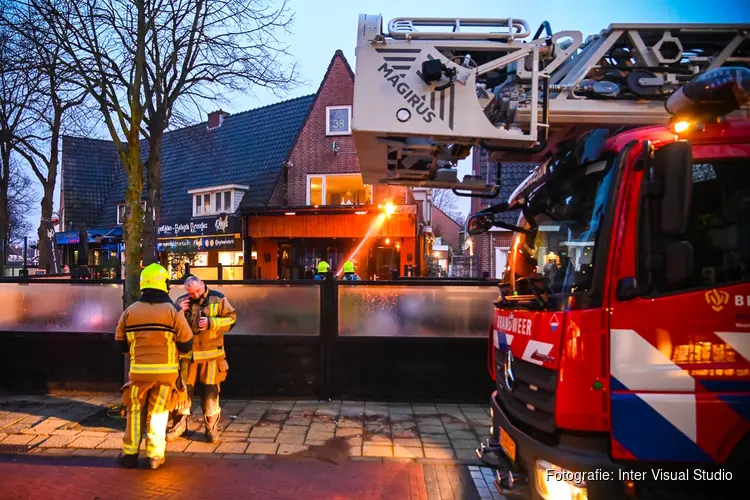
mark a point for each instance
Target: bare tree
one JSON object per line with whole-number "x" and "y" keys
{"x": 447, "y": 202}
{"x": 195, "y": 51}
{"x": 21, "y": 200}
{"x": 16, "y": 89}
{"x": 52, "y": 100}
{"x": 100, "y": 47}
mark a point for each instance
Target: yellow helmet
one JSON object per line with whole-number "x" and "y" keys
{"x": 323, "y": 267}
{"x": 155, "y": 277}
{"x": 348, "y": 266}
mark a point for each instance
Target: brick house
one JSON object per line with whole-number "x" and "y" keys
{"x": 320, "y": 209}
{"x": 266, "y": 193}
{"x": 492, "y": 247}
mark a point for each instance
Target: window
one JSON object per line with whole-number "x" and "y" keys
{"x": 338, "y": 189}
{"x": 216, "y": 200}
{"x": 719, "y": 225}
{"x": 338, "y": 120}
{"x": 121, "y": 212}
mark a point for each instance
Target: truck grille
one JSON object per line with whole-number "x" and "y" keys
{"x": 532, "y": 400}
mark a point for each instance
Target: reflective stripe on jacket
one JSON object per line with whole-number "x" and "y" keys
{"x": 154, "y": 332}
{"x": 208, "y": 344}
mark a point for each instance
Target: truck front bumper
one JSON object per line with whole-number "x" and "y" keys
{"x": 536, "y": 458}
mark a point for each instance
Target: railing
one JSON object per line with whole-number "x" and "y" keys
{"x": 418, "y": 308}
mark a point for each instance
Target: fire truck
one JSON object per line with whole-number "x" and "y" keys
{"x": 620, "y": 344}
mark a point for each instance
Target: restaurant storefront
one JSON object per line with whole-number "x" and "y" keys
{"x": 289, "y": 243}
{"x": 208, "y": 245}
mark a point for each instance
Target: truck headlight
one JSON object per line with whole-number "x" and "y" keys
{"x": 555, "y": 483}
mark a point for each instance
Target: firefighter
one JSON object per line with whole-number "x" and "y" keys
{"x": 349, "y": 273}
{"x": 323, "y": 268}
{"x": 210, "y": 316}
{"x": 153, "y": 332}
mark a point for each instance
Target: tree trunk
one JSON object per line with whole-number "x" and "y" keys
{"x": 46, "y": 259}
{"x": 133, "y": 226}
{"x": 4, "y": 210}
{"x": 45, "y": 224}
{"x": 153, "y": 188}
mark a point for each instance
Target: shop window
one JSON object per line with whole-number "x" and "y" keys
{"x": 231, "y": 258}
{"x": 338, "y": 120}
{"x": 338, "y": 189}
{"x": 121, "y": 212}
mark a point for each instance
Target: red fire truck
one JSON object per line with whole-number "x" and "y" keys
{"x": 621, "y": 339}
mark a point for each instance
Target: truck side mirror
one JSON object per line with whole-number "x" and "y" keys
{"x": 673, "y": 171}
{"x": 479, "y": 223}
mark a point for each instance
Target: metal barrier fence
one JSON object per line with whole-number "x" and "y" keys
{"x": 292, "y": 338}
{"x": 365, "y": 309}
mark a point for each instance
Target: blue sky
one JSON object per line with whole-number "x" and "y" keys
{"x": 323, "y": 26}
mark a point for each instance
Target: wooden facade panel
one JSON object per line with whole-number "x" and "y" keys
{"x": 329, "y": 226}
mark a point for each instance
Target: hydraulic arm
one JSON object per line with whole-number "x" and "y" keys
{"x": 429, "y": 89}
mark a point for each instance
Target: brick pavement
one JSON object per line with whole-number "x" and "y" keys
{"x": 66, "y": 423}
{"x": 35, "y": 477}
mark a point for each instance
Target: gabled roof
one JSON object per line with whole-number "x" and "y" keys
{"x": 512, "y": 175}
{"x": 248, "y": 203}
{"x": 248, "y": 148}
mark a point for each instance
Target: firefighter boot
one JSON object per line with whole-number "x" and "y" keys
{"x": 127, "y": 461}
{"x": 178, "y": 428}
{"x": 155, "y": 463}
{"x": 212, "y": 427}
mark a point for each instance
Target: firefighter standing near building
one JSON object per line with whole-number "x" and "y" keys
{"x": 210, "y": 316}
{"x": 349, "y": 274}
{"x": 323, "y": 269}
{"x": 153, "y": 332}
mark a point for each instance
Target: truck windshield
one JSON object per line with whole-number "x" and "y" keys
{"x": 569, "y": 226}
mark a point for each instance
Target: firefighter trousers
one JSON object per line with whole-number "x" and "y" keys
{"x": 147, "y": 404}
{"x": 210, "y": 374}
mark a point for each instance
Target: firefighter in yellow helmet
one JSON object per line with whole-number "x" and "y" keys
{"x": 349, "y": 273}
{"x": 153, "y": 332}
{"x": 323, "y": 269}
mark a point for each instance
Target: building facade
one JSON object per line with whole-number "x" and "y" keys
{"x": 320, "y": 209}
{"x": 262, "y": 194}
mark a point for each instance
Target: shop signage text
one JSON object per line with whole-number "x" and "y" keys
{"x": 199, "y": 244}
{"x": 225, "y": 224}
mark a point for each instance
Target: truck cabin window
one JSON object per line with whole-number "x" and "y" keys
{"x": 719, "y": 225}
{"x": 568, "y": 214}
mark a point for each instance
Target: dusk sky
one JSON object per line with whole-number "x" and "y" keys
{"x": 323, "y": 26}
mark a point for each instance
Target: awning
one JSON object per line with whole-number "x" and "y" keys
{"x": 74, "y": 238}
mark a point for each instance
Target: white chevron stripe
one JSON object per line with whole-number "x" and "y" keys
{"x": 641, "y": 367}
{"x": 678, "y": 409}
{"x": 533, "y": 346}
{"x": 740, "y": 342}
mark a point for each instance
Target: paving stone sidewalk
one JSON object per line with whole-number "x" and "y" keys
{"x": 90, "y": 424}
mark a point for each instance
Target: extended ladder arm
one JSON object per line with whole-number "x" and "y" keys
{"x": 429, "y": 89}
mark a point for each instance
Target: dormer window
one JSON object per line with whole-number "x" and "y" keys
{"x": 121, "y": 212}
{"x": 217, "y": 200}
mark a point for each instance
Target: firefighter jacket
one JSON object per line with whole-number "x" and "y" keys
{"x": 209, "y": 343}
{"x": 152, "y": 330}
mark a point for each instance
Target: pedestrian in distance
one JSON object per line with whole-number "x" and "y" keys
{"x": 153, "y": 332}
{"x": 210, "y": 316}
